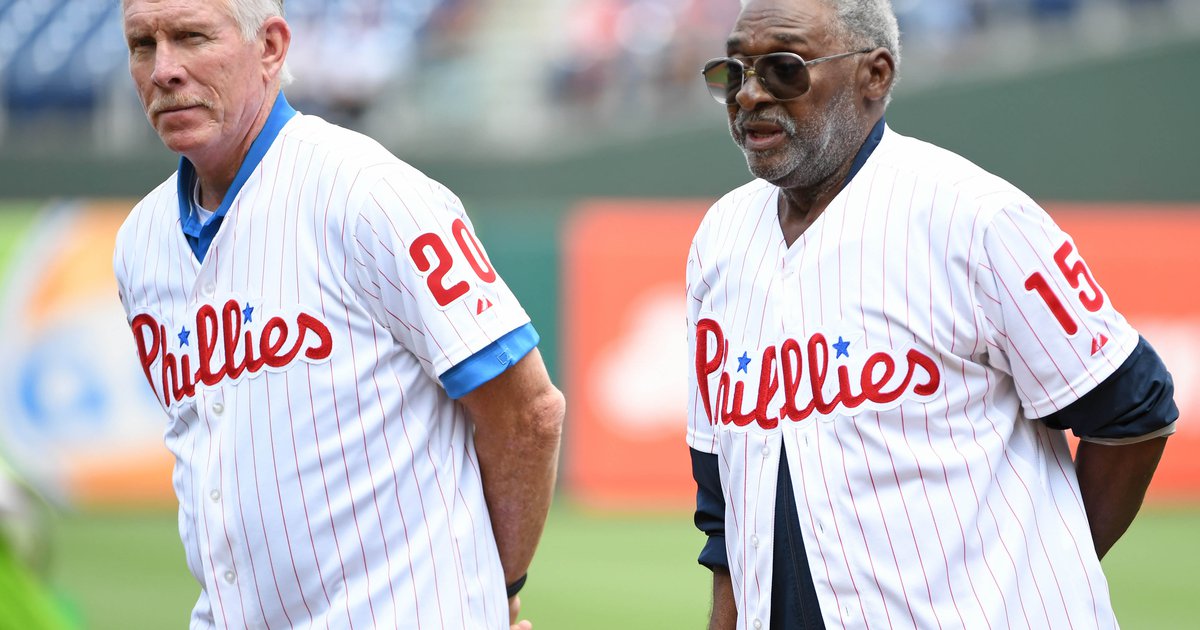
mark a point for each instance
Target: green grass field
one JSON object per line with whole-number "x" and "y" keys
{"x": 126, "y": 571}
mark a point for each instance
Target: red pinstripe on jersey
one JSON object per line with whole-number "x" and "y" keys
{"x": 337, "y": 491}
{"x": 922, "y": 512}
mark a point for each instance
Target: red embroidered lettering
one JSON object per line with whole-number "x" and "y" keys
{"x": 876, "y": 381}
{"x": 706, "y": 365}
{"x": 244, "y": 350}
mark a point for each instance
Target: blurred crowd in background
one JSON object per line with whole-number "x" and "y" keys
{"x": 516, "y": 71}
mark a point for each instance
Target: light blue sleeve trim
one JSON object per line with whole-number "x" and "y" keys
{"x": 489, "y": 362}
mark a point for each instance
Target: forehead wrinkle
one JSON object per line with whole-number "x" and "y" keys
{"x": 167, "y": 17}
{"x": 774, "y": 25}
{"x": 788, "y": 38}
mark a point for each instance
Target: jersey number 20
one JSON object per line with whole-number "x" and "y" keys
{"x": 443, "y": 261}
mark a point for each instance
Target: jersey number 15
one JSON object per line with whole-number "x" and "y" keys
{"x": 1091, "y": 299}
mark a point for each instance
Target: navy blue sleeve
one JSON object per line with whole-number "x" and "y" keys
{"x": 710, "y": 509}
{"x": 1137, "y": 399}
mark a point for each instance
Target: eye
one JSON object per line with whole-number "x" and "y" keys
{"x": 138, "y": 44}
{"x": 786, "y": 69}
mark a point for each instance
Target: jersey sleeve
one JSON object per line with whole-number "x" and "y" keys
{"x": 700, "y": 433}
{"x": 1048, "y": 321}
{"x": 425, "y": 275}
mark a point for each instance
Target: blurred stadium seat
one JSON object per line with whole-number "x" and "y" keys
{"x": 516, "y": 75}
{"x": 58, "y": 55}
{"x": 64, "y": 55}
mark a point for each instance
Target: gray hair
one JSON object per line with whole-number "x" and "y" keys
{"x": 868, "y": 23}
{"x": 250, "y": 16}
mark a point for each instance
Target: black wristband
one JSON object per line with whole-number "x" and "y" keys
{"x": 515, "y": 587}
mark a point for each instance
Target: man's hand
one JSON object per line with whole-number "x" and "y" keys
{"x": 514, "y": 609}
{"x": 518, "y": 426}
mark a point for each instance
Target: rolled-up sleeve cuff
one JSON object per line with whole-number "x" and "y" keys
{"x": 1134, "y": 403}
{"x": 1163, "y": 432}
{"x": 710, "y": 509}
{"x": 714, "y": 554}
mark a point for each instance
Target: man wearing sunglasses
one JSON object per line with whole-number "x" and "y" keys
{"x": 887, "y": 344}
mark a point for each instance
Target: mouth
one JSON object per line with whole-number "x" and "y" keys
{"x": 166, "y": 111}
{"x": 762, "y": 135}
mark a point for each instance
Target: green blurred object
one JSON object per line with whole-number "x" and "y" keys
{"x": 592, "y": 571}
{"x": 24, "y": 603}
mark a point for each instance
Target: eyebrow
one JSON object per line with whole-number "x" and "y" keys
{"x": 183, "y": 26}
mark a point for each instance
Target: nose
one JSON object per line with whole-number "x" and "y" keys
{"x": 752, "y": 93}
{"x": 168, "y": 68}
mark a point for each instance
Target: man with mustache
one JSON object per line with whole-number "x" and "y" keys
{"x": 887, "y": 344}
{"x": 365, "y": 435}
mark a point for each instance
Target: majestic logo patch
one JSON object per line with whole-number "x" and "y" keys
{"x": 230, "y": 342}
{"x": 801, "y": 373}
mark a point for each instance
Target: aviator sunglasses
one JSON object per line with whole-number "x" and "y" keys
{"x": 783, "y": 75}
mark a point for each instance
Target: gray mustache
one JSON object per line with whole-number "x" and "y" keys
{"x": 165, "y": 103}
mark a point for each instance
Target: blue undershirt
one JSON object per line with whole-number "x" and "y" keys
{"x": 199, "y": 234}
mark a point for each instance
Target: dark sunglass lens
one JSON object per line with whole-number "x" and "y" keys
{"x": 724, "y": 79}
{"x": 784, "y": 76}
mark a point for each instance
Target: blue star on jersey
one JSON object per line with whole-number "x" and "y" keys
{"x": 184, "y": 333}
{"x": 744, "y": 362}
{"x": 248, "y": 313}
{"x": 843, "y": 348}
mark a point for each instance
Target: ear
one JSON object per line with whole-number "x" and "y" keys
{"x": 876, "y": 74}
{"x": 276, "y": 38}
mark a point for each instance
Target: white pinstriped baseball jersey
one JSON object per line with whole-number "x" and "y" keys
{"x": 325, "y": 477}
{"x": 898, "y": 350}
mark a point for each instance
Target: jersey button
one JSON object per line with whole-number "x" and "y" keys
{"x": 757, "y": 624}
{"x": 766, "y": 450}
{"x": 218, "y": 408}
{"x": 215, "y": 495}
{"x": 754, "y": 541}
{"x": 230, "y": 576}
{"x": 209, "y": 289}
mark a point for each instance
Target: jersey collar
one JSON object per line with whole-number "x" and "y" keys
{"x": 866, "y": 150}
{"x": 200, "y": 235}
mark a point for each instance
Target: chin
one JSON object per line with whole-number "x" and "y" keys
{"x": 182, "y": 142}
{"x": 766, "y": 167}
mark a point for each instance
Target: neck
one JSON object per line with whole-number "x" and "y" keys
{"x": 217, "y": 168}
{"x": 800, "y": 206}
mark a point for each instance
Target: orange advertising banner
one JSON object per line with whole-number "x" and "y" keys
{"x": 626, "y": 348}
{"x": 626, "y": 345}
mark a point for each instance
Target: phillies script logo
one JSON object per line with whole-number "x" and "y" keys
{"x": 226, "y": 345}
{"x": 802, "y": 374}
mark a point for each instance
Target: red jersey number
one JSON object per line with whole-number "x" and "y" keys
{"x": 443, "y": 262}
{"x": 1075, "y": 274}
